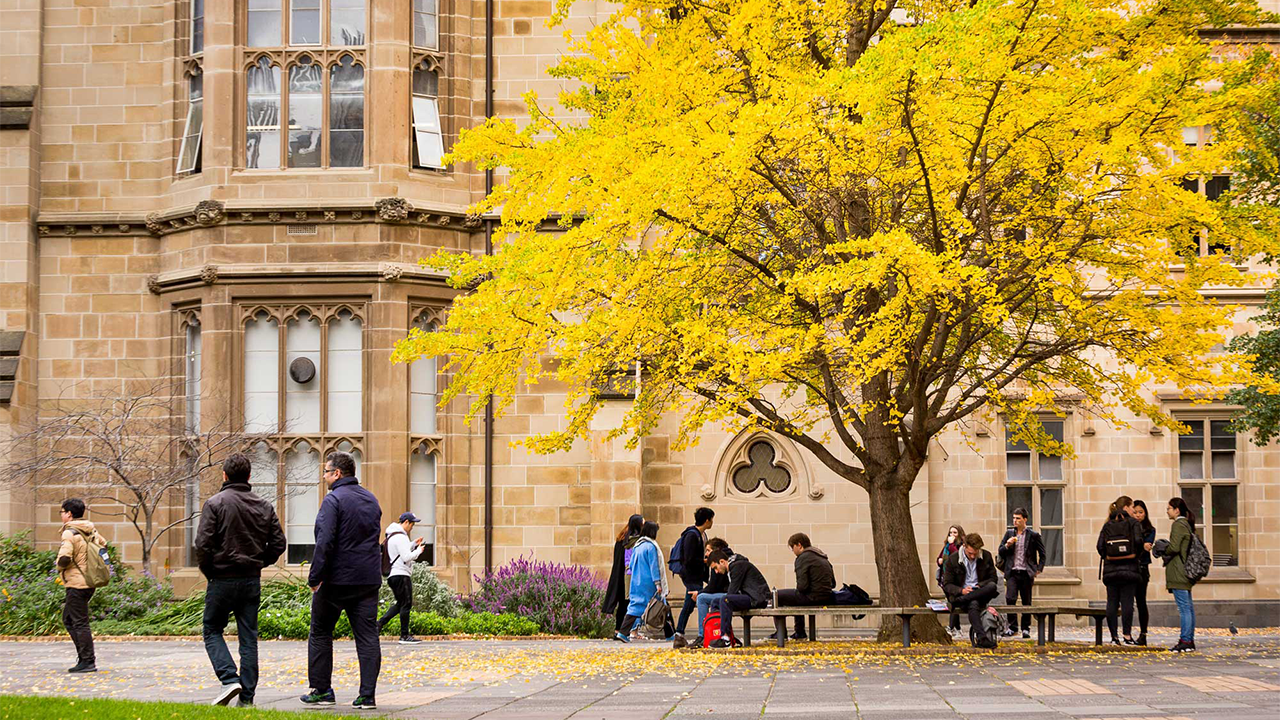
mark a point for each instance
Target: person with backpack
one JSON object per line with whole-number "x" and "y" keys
{"x": 815, "y": 581}
{"x": 345, "y": 577}
{"x": 969, "y": 582}
{"x": 239, "y": 534}
{"x": 687, "y": 561}
{"x": 1139, "y": 512}
{"x": 952, "y": 545}
{"x": 1118, "y": 544}
{"x": 615, "y": 596}
{"x": 82, "y": 570}
{"x": 648, "y": 581}
{"x": 398, "y": 556}
{"x": 747, "y": 590}
{"x": 709, "y": 597}
{"x": 1021, "y": 558}
{"x": 1177, "y": 579}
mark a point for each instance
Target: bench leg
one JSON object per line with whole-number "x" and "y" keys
{"x": 746, "y": 631}
{"x": 1053, "y": 629}
{"x": 1040, "y": 620}
{"x": 780, "y": 626}
{"x": 906, "y": 631}
{"x": 813, "y": 628}
{"x": 1097, "y": 630}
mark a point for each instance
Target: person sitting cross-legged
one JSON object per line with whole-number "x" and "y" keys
{"x": 747, "y": 590}
{"x": 969, "y": 579}
{"x": 815, "y": 581}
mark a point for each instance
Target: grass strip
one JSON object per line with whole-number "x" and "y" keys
{"x": 15, "y": 707}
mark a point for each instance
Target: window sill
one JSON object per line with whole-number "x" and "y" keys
{"x": 1229, "y": 574}
{"x": 1057, "y": 576}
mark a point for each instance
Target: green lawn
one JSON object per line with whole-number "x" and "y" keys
{"x": 13, "y": 707}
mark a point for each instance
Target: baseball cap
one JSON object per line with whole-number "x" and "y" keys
{"x": 409, "y": 517}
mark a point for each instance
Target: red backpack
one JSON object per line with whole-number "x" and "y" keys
{"x": 711, "y": 630}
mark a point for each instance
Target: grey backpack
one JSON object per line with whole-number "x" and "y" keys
{"x": 988, "y": 632}
{"x": 1198, "y": 560}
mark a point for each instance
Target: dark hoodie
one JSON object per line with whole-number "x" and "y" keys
{"x": 239, "y": 534}
{"x": 746, "y": 579}
{"x": 814, "y": 575}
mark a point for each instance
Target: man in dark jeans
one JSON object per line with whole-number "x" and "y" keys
{"x": 346, "y": 574}
{"x": 747, "y": 590}
{"x": 1021, "y": 558}
{"x": 239, "y": 534}
{"x": 73, "y": 554}
{"x": 693, "y": 568}
{"x": 969, "y": 580}
{"x": 815, "y": 580}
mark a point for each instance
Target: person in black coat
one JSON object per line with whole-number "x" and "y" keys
{"x": 1021, "y": 554}
{"x": 346, "y": 574}
{"x": 815, "y": 580}
{"x": 1119, "y": 543}
{"x": 747, "y": 589}
{"x": 1139, "y": 512}
{"x": 693, "y": 568}
{"x": 615, "y": 596}
{"x": 969, "y": 579}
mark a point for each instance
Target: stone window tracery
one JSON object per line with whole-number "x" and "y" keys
{"x": 424, "y": 433}
{"x": 757, "y": 465}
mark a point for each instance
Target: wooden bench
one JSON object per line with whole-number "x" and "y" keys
{"x": 1045, "y": 615}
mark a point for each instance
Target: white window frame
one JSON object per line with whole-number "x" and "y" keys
{"x": 192, "y": 137}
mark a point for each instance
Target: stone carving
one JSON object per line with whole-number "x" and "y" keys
{"x": 445, "y": 220}
{"x": 708, "y": 492}
{"x": 393, "y": 209}
{"x": 391, "y": 273}
{"x": 96, "y": 229}
{"x": 209, "y": 274}
{"x": 153, "y": 284}
{"x": 123, "y": 227}
{"x": 210, "y": 212}
{"x": 471, "y": 222}
{"x": 246, "y": 217}
{"x": 273, "y": 217}
{"x": 69, "y": 229}
{"x": 330, "y": 215}
{"x": 175, "y": 224}
{"x": 424, "y": 217}
{"x": 816, "y": 491}
{"x": 43, "y": 229}
{"x": 300, "y": 215}
{"x": 357, "y": 214}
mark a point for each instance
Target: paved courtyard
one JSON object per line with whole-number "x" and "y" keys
{"x": 1232, "y": 677}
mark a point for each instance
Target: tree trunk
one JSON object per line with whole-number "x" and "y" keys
{"x": 902, "y": 582}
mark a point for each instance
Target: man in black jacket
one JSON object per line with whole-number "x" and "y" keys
{"x": 1021, "y": 558}
{"x": 693, "y": 569}
{"x": 747, "y": 590}
{"x": 346, "y": 574}
{"x": 239, "y": 534}
{"x": 815, "y": 580}
{"x": 716, "y": 587}
{"x": 969, "y": 579}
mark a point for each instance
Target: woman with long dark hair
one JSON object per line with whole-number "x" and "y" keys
{"x": 615, "y": 596}
{"x": 1139, "y": 512}
{"x": 1118, "y": 545}
{"x": 1175, "y": 571}
{"x": 648, "y": 579}
{"x": 953, "y": 543}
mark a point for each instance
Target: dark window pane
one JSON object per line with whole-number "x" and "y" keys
{"x": 1193, "y": 439}
{"x": 1054, "y": 428}
{"x": 1221, "y": 436}
{"x": 1225, "y": 503}
{"x": 1216, "y": 186}
{"x": 1190, "y": 184}
{"x": 1016, "y": 497}
{"x": 425, "y": 82}
{"x": 1051, "y": 507}
{"x": 197, "y": 26}
{"x": 299, "y": 554}
{"x": 761, "y": 471}
{"x": 1053, "y": 547}
{"x": 1194, "y": 498}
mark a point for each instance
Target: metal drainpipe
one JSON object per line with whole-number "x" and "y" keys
{"x": 488, "y": 250}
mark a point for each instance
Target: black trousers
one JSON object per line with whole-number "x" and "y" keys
{"x": 975, "y": 602}
{"x": 402, "y": 590}
{"x": 620, "y": 615}
{"x": 75, "y": 617}
{"x": 1140, "y": 599}
{"x": 1120, "y": 600}
{"x": 360, "y": 603}
{"x": 796, "y": 598}
{"x": 1018, "y": 584}
{"x": 241, "y": 597}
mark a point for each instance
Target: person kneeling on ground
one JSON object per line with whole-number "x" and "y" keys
{"x": 969, "y": 580}
{"x": 815, "y": 581}
{"x": 747, "y": 590}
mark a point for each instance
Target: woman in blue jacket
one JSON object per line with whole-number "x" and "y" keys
{"x": 647, "y": 578}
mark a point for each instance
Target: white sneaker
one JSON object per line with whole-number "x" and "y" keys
{"x": 229, "y": 692}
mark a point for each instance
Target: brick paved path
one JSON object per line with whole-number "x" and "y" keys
{"x": 1235, "y": 678}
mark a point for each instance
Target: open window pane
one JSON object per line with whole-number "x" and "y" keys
{"x": 346, "y": 114}
{"x": 346, "y": 22}
{"x": 189, "y": 154}
{"x": 302, "y": 400}
{"x": 306, "y": 113}
{"x": 426, "y": 132}
{"x": 304, "y": 22}
{"x": 262, "y": 131}
{"x": 264, "y": 23}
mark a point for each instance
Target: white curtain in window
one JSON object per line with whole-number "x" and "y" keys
{"x": 189, "y": 154}
{"x": 422, "y": 393}
{"x": 262, "y": 129}
{"x": 192, "y": 369}
{"x": 346, "y": 374}
{"x": 263, "y": 472}
{"x": 261, "y": 375}
{"x": 422, "y": 492}
{"x": 302, "y": 402}
{"x": 302, "y": 501}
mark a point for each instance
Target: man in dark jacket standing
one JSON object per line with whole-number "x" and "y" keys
{"x": 1022, "y": 559}
{"x": 693, "y": 568}
{"x": 239, "y": 534}
{"x": 346, "y": 574}
{"x": 969, "y": 579}
{"x": 815, "y": 580}
{"x": 747, "y": 590}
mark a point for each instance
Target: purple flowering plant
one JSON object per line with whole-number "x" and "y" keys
{"x": 561, "y": 599}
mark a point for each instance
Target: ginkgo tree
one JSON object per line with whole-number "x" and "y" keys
{"x": 856, "y": 223}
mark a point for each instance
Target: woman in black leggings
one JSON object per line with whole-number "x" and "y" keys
{"x": 1118, "y": 546}
{"x": 1139, "y": 512}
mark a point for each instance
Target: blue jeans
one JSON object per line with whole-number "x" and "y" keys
{"x": 224, "y": 597}
{"x": 705, "y": 602}
{"x": 687, "y": 607}
{"x": 1186, "y": 615}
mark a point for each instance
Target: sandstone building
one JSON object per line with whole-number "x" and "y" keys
{"x": 234, "y": 194}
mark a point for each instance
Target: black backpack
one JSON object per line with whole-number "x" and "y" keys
{"x": 851, "y": 595}
{"x": 386, "y": 557}
{"x": 675, "y": 561}
{"x": 1117, "y": 541}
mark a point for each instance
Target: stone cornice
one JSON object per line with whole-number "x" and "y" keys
{"x": 210, "y": 213}
{"x": 277, "y": 273}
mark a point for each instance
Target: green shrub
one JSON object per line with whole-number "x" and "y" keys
{"x": 430, "y": 593}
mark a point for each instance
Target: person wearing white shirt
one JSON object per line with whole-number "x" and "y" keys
{"x": 403, "y": 552}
